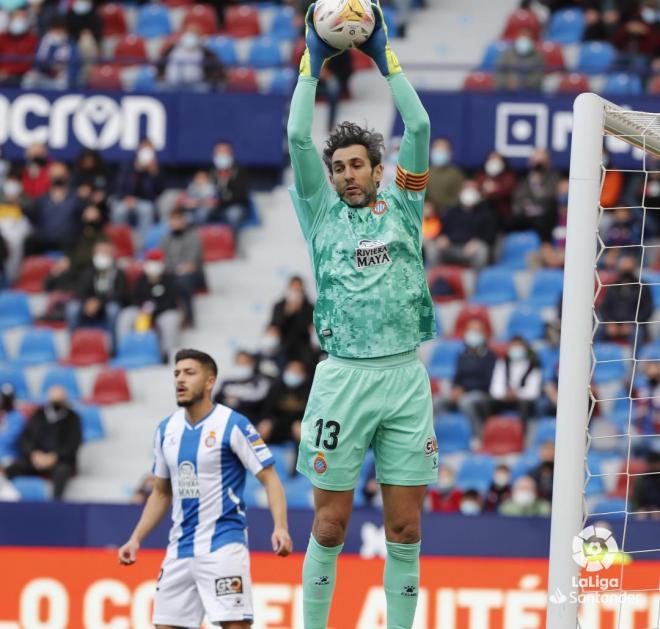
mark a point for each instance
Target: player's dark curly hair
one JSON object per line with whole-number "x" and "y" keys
{"x": 348, "y": 134}
{"x": 201, "y": 357}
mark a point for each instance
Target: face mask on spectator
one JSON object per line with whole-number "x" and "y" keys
{"x": 145, "y": 155}
{"x": 440, "y": 157}
{"x": 517, "y": 352}
{"x": 57, "y": 37}
{"x": 38, "y": 161}
{"x": 18, "y": 26}
{"x": 58, "y": 182}
{"x": 470, "y": 507}
{"x": 474, "y": 338}
{"x": 269, "y": 343}
{"x": 494, "y": 166}
{"x": 523, "y": 497}
{"x": 190, "y": 40}
{"x": 469, "y": 197}
{"x": 35, "y": 2}
{"x": 80, "y": 7}
{"x": 523, "y": 45}
{"x": 292, "y": 379}
{"x": 153, "y": 268}
{"x": 242, "y": 372}
{"x": 501, "y": 479}
{"x": 11, "y": 188}
{"x": 653, "y": 189}
{"x": 102, "y": 261}
{"x": 222, "y": 161}
{"x": 204, "y": 190}
{"x": 648, "y": 15}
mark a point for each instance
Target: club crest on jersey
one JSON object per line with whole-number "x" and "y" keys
{"x": 371, "y": 253}
{"x": 430, "y": 446}
{"x": 320, "y": 464}
{"x": 210, "y": 440}
{"x": 188, "y": 484}
{"x": 379, "y": 208}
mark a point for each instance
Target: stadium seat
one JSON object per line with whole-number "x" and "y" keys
{"x": 623, "y": 84}
{"x": 359, "y": 60}
{"x": 154, "y": 236}
{"x": 33, "y": 272}
{"x": 284, "y": 457}
{"x": 649, "y": 351}
{"x": 614, "y": 366}
{"x": 283, "y": 25}
{"x": 298, "y": 492}
{"x": 633, "y": 467}
{"x": 36, "y": 347}
{"x": 615, "y": 508}
{"x": 224, "y": 49}
{"x": 153, "y": 20}
{"x": 479, "y": 82}
{"x": 242, "y": 80}
{"x": 654, "y": 85}
{"x": 203, "y": 16}
{"x": 526, "y": 322}
{"x": 524, "y": 464}
{"x": 137, "y": 350}
{"x": 121, "y": 237}
{"x": 573, "y": 83}
{"x": 14, "y": 309}
{"x": 502, "y": 435}
{"x": 544, "y": 431}
{"x": 217, "y": 242}
{"x": 15, "y": 377}
{"x": 63, "y": 377}
{"x": 133, "y": 269}
{"x": 88, "y": 347}
{"x": 3, "y": 351}
{"x": 492, "y": 54}
{"x": 283, "y": 82}
{"x": 468, "y": 312}
{"x": 389, "y": 13}
{"x": 104, "y": 77}
{"x": 547, "y": 288}
{"x": 110, "y": 387}
{"x": 516, "y": 249}
{"x": 566, "y": 27}
{"x": 444, "y": 356}
{"x": 264, "y": 53}
{"x": 113, "y": 19}
{"x": 518, "y": 20}
{"x": 549, "y": 358}
{"x": 595, "y": 57}
{"x": 495, "y": 286}
{"x": 172, "y": 4}
{"x": 553, "y": 56}
{"x": 453, "y": 433}
{"x": 32, "y": 488}
{"x": 145, "y": 79}
{"x": 476, "y": 472}
{"x": 130, "y": 50}
{"x": 91, "y": 422}
{"x": 242, "y": 21}
{"x": 446, "y": 283}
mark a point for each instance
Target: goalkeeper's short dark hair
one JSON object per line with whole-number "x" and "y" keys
{"x": 348, "y": 134}
{"x": 201, "y": 357}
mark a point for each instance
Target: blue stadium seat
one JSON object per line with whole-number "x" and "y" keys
{"x": 595, "y": 57}
{"x": 547, "y": 287}
{"x": 516, "y": 248}
{"x": 548, "y": 355}
{"x": 525, "y": 463}
{"x": 91, "y": 422}
{"x": 622, "y": 83}
{"x": 476, "y": 472}
{"x": 3, "y": 351}
{"x": 284, "y": 455}
{"x": 264, "y": 53}
{"x": 145, "y": 79}
{"x": 14, "y": 309}
{"x": 453, "y": 433}
{"x": 137, "y": 350}
{"x": 443, "y": 358}
{"x": 283, "y": 81}
{"x": 15, "y": 377}
{"x": 154, "y": 235}
{"x": 492, "y": 54}
{"x": 252, "y": 219}
{"x": 566, "y": 27}
{"x": 36, "y": 348}
{"x": 32, "y": 488}
{"x": 495, "y": 286}
{"x": 649, "y": 351}
{"x": 254, "y": 492}
{"x": 545, "y": 431}
{"x": 614, "y": 507}
{"x": 613, "y": 370}
{"x": 389, "y": 13}
{"x": 283, "y": 25}
{"x": 224, "y": 48}
{"x": 298, "y": 492}
{"x": 153, "y": 20}
{"x": 63, "y": 377}
{"x": 652, "y": 278}
{"x": 526, "y": 322}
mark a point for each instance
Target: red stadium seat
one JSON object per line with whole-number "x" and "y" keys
{"x": 131, "y": 50}
{"x": 242, "y": 80}
{"x": 203, "y": 16}
{"x": 89, "y": 346}
{"x": 297, "y": 51}
{"x": 479, "y": 82}
{"x": 104, "y": 77}
{"x": 446, "y": 277}
{"x": 178, "y": 3}
{"x": 110, "y": 387}
{"x": 573, "y": 83}
{"x": 242, "y": 21}
{"x": 113, "y": 19}
{"x": 360, "y": 60}
{"x": 522, "y": 18}
{"x": 133, "y": 270}
{"x": 121, "y": 237}
{"x": 217, "y": 242}
{"x": 502, "y": 435}
{"x": 553, "y": 56}
{"x": 637, "y": 466}
{"x": 33, "y": 272}
{"x": 472, "y": 311}
{"x": 654, "y": 85}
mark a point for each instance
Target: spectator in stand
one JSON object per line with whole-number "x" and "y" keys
{"x": 49, "y": 443}
{"x": 499, "y": 490}
{"x": 200, "y": 198}
{"x": 646, "y": 492}
{"x": 143, "y": 490}
{"x": 333, "y": 84}
{"x": 89, "y": 173}
{"x": 445, "y": 178}
{"x": 643, "y": 188}
{"x": 82, "y": 18}
{"x": 603, "y": 18}
{"x": 183, "y": 259}
{"x": 293, "y": 315}
{"x": 543, "y": 473}
{"x": 102, "y": 293}
{"x": 20, "y": 43}
{"x": 154, "y": 299}
{"x": 56, "y": 65}
{"x": 271, "y": 356}
{"x": 445, "y": 497}
{"x": 647, "y": 406}
{"x": 431, "y": 229}
{"x": 285, "y": 406}
{"x": 638, "y": 38}
{"x": 189, "y": 64}
{"x": 517, "y": 380}
{"x": 41, "y": 14}
{"x": 11, "y": 425}
{"x": 468, "y": 230}
{"x": 471, "y": 503}
{"x": 496, "y": 182}
{"x": 520, "y": 67}
{"x": 14, "y": 225}
{"x": 35, "y": 178}
{"x": 622, "y": 231}
{"x": 535, "y": 197}
{"x": 246, "y": 389}
{"x": 139, "y": 184}
{"x": 232, "y": 186}
{"x": 56, "y": 216}
{"x": 524, "y": 500}
{"x": 623, "y": 304}
{"x": 612, "y": 189}
{"x": 474, "y": 371}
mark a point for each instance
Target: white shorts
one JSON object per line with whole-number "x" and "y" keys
{"x": 217, "y": 584}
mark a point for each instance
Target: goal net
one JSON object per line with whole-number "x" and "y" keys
{"x": 605, "y": 534}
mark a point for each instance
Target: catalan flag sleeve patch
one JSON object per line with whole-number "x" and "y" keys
{"x": 411, "y": 181}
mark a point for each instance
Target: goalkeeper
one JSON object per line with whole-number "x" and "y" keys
{"x": 373, "y": 311}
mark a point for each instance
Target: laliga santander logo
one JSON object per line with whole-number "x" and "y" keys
{"x": 594, "y": 548}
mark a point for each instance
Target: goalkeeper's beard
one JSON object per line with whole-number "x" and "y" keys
{"x": 367, "y": 197}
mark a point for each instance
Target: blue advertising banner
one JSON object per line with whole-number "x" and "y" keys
{"x": 515, "y": 124}
{"x": 183, "y": 126}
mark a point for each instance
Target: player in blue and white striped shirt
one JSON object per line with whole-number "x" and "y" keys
{"x": 201, "y": 454}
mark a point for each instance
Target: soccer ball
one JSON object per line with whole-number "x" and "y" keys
{"x": 344, "y": 23}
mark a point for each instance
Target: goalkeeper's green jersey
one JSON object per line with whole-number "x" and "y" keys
{"x": 373, "y": 298}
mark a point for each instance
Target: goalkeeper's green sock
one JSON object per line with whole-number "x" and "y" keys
{"x": 401, "y": 581}
{"x": 319, "y": 571}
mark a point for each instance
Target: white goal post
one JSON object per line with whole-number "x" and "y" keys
{"x": 593, "y": 117}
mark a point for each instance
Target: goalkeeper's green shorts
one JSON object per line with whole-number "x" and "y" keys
{"x": 384, "y": 403}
